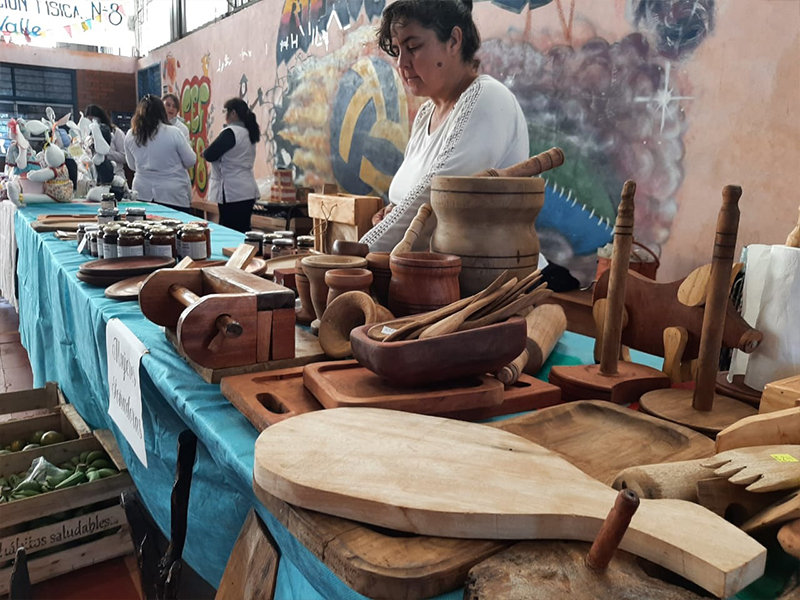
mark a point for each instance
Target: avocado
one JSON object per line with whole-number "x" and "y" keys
{"x": 52, "y": 437}
{"x": 36, "y": 438}
{"x": 17, "y": 445}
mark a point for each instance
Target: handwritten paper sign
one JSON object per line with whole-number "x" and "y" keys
{"x": 124, "y": 353}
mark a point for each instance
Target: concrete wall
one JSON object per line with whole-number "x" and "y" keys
{"x": 684, "y": 96}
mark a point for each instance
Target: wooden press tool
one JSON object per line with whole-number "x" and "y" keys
{"x": 224, "y": 317}
{"x": 702, "y": 409}
{"x": 613, "y": 380}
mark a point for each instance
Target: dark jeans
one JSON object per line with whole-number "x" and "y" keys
{"x": 236, "y": 215}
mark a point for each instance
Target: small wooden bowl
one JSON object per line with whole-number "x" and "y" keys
{"x": 457, "y": 355}
{"x": 345, "y": 248}
{"x": 340, "y": 281}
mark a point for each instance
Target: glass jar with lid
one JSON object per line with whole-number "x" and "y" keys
{"x": 92, "y": 242}
{"x": 305, "y": 244}
{"x": 108, "y": 201}
{"x": 206, "y": 231}
{"x": 109, "y": 241}
{"x": 81, "y": 231}
{"x": 194, "y": 242}
{"x": 282, "y": 247}
{"x": 107, "y": 215}
{"x": 130, "y": 242}
{"x": 255, "y": 239}
{"x": 161, "y": 241}
{"x": 289, "y": 235}
{"x": 135, "y": 213}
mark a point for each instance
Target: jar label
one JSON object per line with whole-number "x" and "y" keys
{"x": 180, "y": 248}
{"x": 195, "y": 250}
{"x": 159, "y": 250}
{"x": 132, "y": 218}
{"x": 130, "y": 251}
{"x": 109, "y": 250}
{"x": 105, "y": 220}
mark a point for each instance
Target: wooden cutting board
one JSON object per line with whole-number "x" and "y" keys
{"x": 348, "y": 384}
{"x": 268, "y": 398}
{"x": 526, "y": 394}
{"x": 602, "y": 439}
{"x": 127, "y": 266}
{"x": 418, "y": 473}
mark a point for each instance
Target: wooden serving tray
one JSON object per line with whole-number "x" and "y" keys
{"x": 386, "y": 564}
{"x": 126, "y": 266}
{"x": 526, "y": 394}
{"x": 268, "y": 398}
{"x": 348, "y": 384}
{"x": 307, "y": 350}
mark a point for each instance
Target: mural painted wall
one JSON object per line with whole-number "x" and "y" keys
{"x": 684, "y": 96}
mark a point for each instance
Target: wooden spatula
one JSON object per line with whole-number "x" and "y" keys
{"x": 436, "y": 476}
{"x": 760, "y": 468}
{"x": 524, "y": 284}
{"x": 509, "y": 310}
{"x": 453, "y": 322}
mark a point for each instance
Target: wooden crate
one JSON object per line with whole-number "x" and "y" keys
{"x": 781, "y": 394}
{"x": 65, "y": 420}
{"x": 341, "y": 217}
{"x": 15, "y": 406}
{"x": 57, "y": 537}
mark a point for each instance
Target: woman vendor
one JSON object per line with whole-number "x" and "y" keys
{"x": 471, "y": 122}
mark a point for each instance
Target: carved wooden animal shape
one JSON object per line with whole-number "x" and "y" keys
{"x": 653, "y": 307}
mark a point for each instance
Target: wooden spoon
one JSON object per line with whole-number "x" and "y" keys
{"x": 523, "y": 284}
{"x": 453, "y": 322}
{"x": 509, "y": 310}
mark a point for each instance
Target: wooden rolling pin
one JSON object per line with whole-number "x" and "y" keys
{"x": 676, "y": 480}
{"x": 529, "y": 168}
{"x": 413, "y": 231}
{"x": 793, "y": 240}
{"x": 546, "y": 325}
{"x": 717, "y": 299}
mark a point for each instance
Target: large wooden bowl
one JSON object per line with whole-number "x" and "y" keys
{"x": 457, "y": 355}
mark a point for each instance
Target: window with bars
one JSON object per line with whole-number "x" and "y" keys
{"x": 26, "y": 92}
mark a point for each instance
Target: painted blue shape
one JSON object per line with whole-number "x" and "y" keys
{"x": 584, "y": 231}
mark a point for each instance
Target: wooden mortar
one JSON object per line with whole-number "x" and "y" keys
{"x": 315, "y": 268}
{"x": 340, "y": 281}
{"x": 422, "y": 282}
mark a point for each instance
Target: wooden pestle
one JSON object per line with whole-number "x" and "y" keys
{"x": 793, "y": 240}
{"x": 227, "y": 326}
{"x": 529, "y": 168}
{"x": 413, "y": 231}
{"x": 717, "y": 299}
{"x": 677, "y": 480}
{"x": 612, "y": 531}
{"x": 620, "y": 259}
{"x": 546, "y": 325}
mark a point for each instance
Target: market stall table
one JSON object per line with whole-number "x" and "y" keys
{"x": 62, "y": 325}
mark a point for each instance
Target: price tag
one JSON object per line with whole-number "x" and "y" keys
{"x": 387, "y": 330}
{"x": 784, "y": 458}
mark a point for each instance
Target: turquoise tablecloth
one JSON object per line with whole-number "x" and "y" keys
{"x": 62, "y": 325}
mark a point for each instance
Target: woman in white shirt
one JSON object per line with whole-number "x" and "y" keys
{"x": 471, "y": 122}
{"x": 160, "y": 155}
{"x": 172, "y": 106}
{"x": 232, "y": 155}
{"x": 117, "y": 141}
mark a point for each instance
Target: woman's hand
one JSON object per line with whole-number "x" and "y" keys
{"x": 381, "y": 214}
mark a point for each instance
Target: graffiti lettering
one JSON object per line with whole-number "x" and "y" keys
{"x": 222, "y": 64}
{"x": 195, "y": 96}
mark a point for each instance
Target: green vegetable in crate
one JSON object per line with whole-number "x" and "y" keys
{"x": 95, "y": 455}
{"x": 31, "y": 446}
{"x": 93, "y": 476}
{"x": 102, "y": 463}
{"x": 67, "y": 466}
{"x": 24, "y": 494}
{"x": 26, "y": 486}
{"x": 75, "y": 460}
{"x": 17, "y": 445}
{"x": 52, "y": 437}
{"x": 4, "y": 451}
{"x": 107, "y": 472}
{"x": 74, "y": 479}
{"x": 36, "y": 438}
{"x": 84, "y": 455}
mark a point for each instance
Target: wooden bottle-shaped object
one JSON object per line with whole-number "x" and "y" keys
{"x": 620, "y": 382}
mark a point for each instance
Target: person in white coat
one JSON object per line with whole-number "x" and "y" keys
{"x": 172, "y": 106}
{"x": 232, "y": 155}
{"x": 116, "y": 154}
{"x": 160, "y": 155}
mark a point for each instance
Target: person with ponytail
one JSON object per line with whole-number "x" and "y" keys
{"x": 160, "y": 155}
{"x": 471, "y": 122}
{"x": 232, "y": 155}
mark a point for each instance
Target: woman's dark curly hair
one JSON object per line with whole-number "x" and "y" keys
{"x": 439, "y": 15}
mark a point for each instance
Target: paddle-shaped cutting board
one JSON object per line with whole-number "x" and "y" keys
{"x": 448, "y": 478}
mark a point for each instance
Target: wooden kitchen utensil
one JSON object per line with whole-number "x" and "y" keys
{"x": 367, "y": 465}
{"x": 760, "y": 468}
{"x": 708, "y": 412}
{"x": 732, "y": 502}
{"x": 602, "y": 439}
{"x": 550, "y": 159}
{"x": 316, "y": 266}
{"x": 737, "y": 389}
{"x": 675, "y": 479}
{"x": 340, "y": 281}
{"x": 784, "y": 393}
{"x": 378, "y": 263}
{"x": 524, "y": 395}
{"x": 422, "y": 282}
{"x": 413, "y": 231}
{"x": 546, "y": 324}
{"x": 619, "y": 383}
{"x": 348, "y": 384}
{"x": 268, "y": 398}
{"x": 786, "y": 509}
{"x": 345, "y": 248}
{"x": 770, "y": 429}
{"x": 127, "y": 266}
{"x": 345, "y": 313}
{"x": 409, "y": 363}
